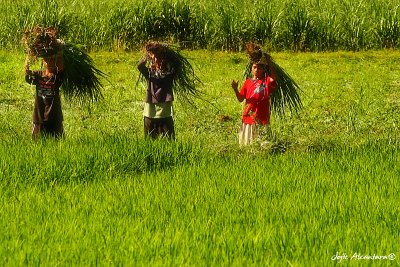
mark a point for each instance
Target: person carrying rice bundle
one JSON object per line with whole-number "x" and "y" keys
{"x": 266, "y": 84}
{"x": 65, "y": 66}
{"x": 47, "y": 114}
{"x": 165, "y": 70}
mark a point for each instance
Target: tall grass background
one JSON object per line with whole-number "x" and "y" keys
{"x": 306, "y": 25}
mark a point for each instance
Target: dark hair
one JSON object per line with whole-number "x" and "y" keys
{"x": 156, "y": 48}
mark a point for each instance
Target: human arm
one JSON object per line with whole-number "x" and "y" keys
{"x": 29, "y": 74}
{"x": 234, "y": 85}
{"x": 142, "y": 67}
{"x": 272, "y": 72}
{"x": 27, "y": 65}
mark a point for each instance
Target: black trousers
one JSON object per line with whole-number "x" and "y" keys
{"x": 159, "y": 127}
{"x": 54, "y": 129}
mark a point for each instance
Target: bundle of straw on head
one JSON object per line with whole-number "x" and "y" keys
{"x": 255, "y": 54}
{"x": 81, "y": 77}
{"x": 42, "y": 42}
{"x": 286, "y": 95}
{"x": 157, "y": 49}
{"x": 185, "y": 80}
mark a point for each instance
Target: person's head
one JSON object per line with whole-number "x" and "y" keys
{"x": 53, "y": 64}
{"x": 258, "y": 60}
{"x": 49, "y": 63}
{"x": 157, "y": 60}
{"x": 258, "y": 70}
{"x": 156, "y": 51}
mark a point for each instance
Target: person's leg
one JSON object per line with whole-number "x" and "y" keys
{"x": 53, "y": 129}
{"x": 166, "y": 127}
{"x": 159, "y": 127}
{"x": 246, "y": 134}
{"x": 36, "y": 130}
{"x": 149, "y": 128}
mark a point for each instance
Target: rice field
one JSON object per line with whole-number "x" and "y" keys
{"x": 324, "y": 190}
{"x": 279, "y": 210}
{"x": 307, "y": 25}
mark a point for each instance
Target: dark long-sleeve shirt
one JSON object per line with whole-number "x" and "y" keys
{"x": 159, "y": 84}
{"x": 47, "y": 98}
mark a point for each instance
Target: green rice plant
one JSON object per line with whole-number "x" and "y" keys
{"x": 133, "y": 25}
{"x": 92, "y": 32}
{"x": 184, "y": 24}
{"x": 13, "y": 27}
{"x": 97, "y": 158}
{"x": 153, "y": 21}
{"x": 82, "y": 80}
{"x": 174, "y": 21}
{"x": 355, "y": 27}
{"x": 328, "y": 32}
{"x": 355, "y": 34}
{"x": 204, "y": 210}
{"x": 121, "y": 28}
{"x": 162, "y": 23}
{"x": 305, "y": 25}
{"x": 199, "y": 27}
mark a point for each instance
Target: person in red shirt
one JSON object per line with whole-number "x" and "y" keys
{"x": 256, "y": 90}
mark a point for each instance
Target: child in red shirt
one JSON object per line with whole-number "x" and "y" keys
{"x": 256, "y": 91}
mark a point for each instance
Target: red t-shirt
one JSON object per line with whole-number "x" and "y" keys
{"x": 257, "y": 93}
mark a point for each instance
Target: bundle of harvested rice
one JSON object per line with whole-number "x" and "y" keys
{"x": 81, "y": 77}
{"x": 185, "y": 80}
{"x": 42, "y": 42}
{"x": 286, "y": 95}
